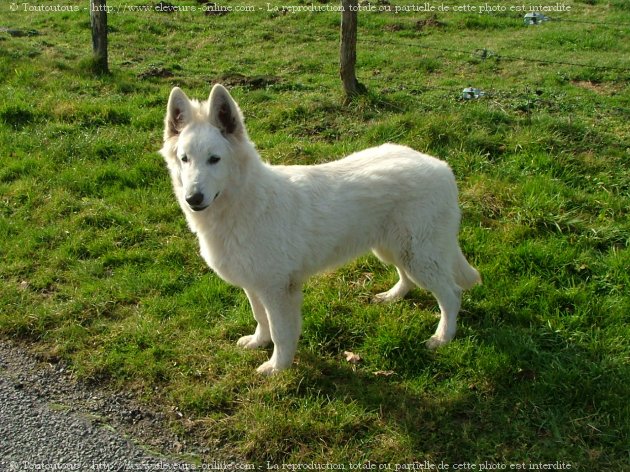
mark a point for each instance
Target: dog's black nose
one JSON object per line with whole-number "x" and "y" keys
{"x": 195, "y": 199}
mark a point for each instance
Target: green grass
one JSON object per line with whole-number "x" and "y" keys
{"x": 99, "y": 268}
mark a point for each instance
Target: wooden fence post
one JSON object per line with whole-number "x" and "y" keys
{"x": 348, "y": 49}
{"x": 98, "y": 21}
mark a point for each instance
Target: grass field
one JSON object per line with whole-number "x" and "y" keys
{"x": 98, "y": 267}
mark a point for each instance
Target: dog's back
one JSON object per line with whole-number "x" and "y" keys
{"x": 339, "y": 210}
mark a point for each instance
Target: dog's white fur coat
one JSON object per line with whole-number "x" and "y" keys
{"x": 268, "y": 228}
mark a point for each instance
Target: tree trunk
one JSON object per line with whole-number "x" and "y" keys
{"x": 348, "y": 49}
{"x": 98, "y": 20}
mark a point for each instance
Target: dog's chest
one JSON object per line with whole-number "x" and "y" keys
{"x": 226, "y": 261}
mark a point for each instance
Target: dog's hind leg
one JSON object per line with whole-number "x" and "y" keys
{"x": 398, "y": 291}
{"x": 261, "y": 336}
{"x": 436, "y": 276}
{"x": 402, "y": 287}
{"x": 449, "y": 299}
{"x": 285, "y": 324}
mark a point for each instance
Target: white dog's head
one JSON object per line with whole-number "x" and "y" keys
{"x": 199, "y": 145}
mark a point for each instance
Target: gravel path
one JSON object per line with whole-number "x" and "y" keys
{"x": 50, "y": 422}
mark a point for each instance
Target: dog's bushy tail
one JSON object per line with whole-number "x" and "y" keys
{"x": 466, "y": 276}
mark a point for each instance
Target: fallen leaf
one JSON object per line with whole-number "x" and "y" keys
{"x": 352, "y": 357}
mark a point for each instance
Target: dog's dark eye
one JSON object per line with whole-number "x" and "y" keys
{"x": 184, "y": 158}
{"x": 213, "y": 159}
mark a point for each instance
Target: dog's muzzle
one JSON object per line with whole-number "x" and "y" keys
{"x": 195, "y": 201}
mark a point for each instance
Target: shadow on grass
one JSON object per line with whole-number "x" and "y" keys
{"x": 520, "y": 396}
{"x": 437, "y": 428}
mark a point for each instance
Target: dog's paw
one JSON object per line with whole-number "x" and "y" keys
{"x": 251, "y": 342}
{"x": 268, "y": 368}
{"x": 436, "y": 341}
{"x": 386, "y": 297}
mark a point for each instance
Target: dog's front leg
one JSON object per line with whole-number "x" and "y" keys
{"x": 261, "y": 336}
{"x": 285, "y": 323}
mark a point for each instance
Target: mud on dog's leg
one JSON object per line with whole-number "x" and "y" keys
{"x": 262, "y": 335}
{"x": 285, "y": 323}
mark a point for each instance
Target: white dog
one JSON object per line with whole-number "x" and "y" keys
{"x": 268, "y": 228}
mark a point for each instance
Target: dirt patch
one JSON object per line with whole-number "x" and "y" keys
{"x": 253, "y": 82}
{"x": 599, "y": 88}
{"x": 429, "y": 22}
{"x": 18, "y": 33}
{"x": 155, "y": 72}
{"x": 394, "y": 27}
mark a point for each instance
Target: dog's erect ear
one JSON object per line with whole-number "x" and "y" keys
{"x": 178, "y": 113}
{"x": 223, "y": 112}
